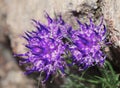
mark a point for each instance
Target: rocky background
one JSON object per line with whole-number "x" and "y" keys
{"x": 15, "y": 19}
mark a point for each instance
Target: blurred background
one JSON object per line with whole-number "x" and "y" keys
{"x": 15, "y": 19}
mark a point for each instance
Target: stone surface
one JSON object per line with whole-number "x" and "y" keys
{"x": 10, "y": 74}
{"x": 111, "y": 11}
{"x": 3, "y": 25}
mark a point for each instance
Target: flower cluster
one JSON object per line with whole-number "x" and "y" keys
{"x": 46, "y": 46}
{"x": 86, "y": 44}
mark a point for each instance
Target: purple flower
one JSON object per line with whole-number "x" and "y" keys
{"x": 49, "y": 44}
{"x": 86, "y": 43}
{"x": 45, "y": 47}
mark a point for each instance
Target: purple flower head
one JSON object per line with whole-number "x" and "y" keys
{"x": 86, "y": 45}
{"x": 45, "y": 47}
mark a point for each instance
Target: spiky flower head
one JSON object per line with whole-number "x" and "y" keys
{"x": 45, "y": 47}
{"x": 86, "y": 43}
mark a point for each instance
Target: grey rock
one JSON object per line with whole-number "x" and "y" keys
{"x": 3, "y": 25}
{"x": 111, "y": 11}
{"x": 11, "y": 76}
